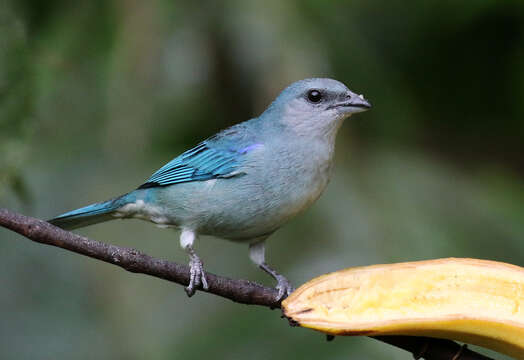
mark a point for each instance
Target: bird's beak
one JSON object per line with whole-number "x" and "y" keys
{"x": 353, "y": 104}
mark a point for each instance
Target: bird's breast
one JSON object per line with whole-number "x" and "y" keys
{"x": 297, "y": 177}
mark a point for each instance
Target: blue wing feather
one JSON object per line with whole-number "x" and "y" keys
{"x": 220, "y": 156}
{"x": 203, "y": 162}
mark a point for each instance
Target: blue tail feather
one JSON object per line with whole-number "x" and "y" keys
{"x": 90, "y": 214}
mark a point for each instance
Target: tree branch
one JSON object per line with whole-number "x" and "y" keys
{"x": 240, "y": 291}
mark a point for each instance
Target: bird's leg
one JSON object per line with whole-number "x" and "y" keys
{"x": 284, "y": 287}
{"x": 197, "y": 276}
{"x": 257, "y": 255}
{"x": 196, "y": 273}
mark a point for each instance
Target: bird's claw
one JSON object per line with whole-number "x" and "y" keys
{"x": 284, "y": 287}
{"x": 197, "y": 276}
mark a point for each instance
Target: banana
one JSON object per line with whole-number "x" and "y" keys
{"x": 475, "y": 301}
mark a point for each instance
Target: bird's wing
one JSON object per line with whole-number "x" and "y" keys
{"x": 203, "y": 162}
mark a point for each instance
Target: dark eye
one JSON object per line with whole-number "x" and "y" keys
{"x": 314, "y": 96}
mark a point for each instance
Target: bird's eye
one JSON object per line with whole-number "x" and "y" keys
{"x": 314, "y": 96}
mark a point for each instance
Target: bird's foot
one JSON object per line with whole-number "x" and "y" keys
{"x": 197, "y": 275}
{"x": 284, "y": 287}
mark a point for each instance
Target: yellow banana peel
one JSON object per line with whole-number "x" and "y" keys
{"x": 475, "y": 301}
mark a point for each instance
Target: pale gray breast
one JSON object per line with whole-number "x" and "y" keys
{"x": 296, "y": 176}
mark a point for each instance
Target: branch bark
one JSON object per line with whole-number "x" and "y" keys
{"x": 240, "y": 291}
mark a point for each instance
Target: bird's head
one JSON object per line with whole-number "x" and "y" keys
{"x": 316, "y": 106}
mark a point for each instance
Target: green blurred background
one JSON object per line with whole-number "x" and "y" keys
{"x": 96, "y": 95}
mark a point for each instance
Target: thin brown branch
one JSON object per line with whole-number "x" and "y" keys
{"x": 241, "y": 291}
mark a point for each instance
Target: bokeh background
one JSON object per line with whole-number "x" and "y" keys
{"x": 96, "y": 95}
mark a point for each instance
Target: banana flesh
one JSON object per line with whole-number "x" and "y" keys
{"x": 475, "y": 301}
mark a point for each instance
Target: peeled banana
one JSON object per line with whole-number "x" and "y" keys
{"x": 475, "y": 301}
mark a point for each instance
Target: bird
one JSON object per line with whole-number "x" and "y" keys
{"x": 246, "y": 181}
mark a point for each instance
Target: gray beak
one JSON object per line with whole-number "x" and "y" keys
{"x": 360, "y": 101}
{"x": 356, "y": 101}
{"x": 353, "y": 103}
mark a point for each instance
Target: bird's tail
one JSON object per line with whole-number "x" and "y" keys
{"x": 90, "y": 214}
